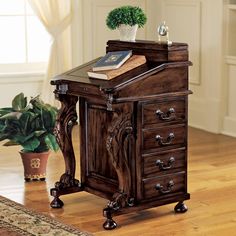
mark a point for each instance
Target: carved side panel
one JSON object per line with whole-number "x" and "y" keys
{"x": 119, "y": 143}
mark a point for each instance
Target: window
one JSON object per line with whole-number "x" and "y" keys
{"x": 24, "y": 42}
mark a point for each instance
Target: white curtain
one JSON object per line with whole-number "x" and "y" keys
{"x": 56, "y": 16}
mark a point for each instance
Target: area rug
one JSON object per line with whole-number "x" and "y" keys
{"x": 16, "y": 220}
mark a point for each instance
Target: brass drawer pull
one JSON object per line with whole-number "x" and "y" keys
{"x": 168, "y": 141}
{"x": 168, "y": 189}
{"x": 169, "y": 115}
{"x": 167, "y": 166}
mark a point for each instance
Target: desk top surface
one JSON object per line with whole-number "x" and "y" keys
{"x": 159, "y": 57}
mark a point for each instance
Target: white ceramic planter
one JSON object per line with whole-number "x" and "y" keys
{"x": 127, "y": 32}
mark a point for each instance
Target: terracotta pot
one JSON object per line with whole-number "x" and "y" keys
{"x": 127, "y": 32}
{"x": 35, "y": 165}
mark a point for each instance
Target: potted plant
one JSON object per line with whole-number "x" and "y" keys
{"x": 127, "y": 19}
{"x": 30, "y": 125}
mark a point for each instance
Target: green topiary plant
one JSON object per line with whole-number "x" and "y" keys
{"x": 30, "y": 124}
{"x": 128, "y": 15}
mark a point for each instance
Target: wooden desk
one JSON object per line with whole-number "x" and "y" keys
{"x": 133, "y": 131}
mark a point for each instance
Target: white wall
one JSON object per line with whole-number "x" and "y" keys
{"x": 10, "y": 86}
{"x": 96, "y": 33}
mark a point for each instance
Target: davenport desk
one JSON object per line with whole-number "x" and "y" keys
{"x": 133, "y": 131}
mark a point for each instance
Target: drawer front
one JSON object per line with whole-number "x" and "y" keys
{"x": 168, "y": 111}
{"x": 166, "y": 185}
{"x": 164, "y": 163}
{"x": 164, "y": 137}
{"x": 84, "y": 90}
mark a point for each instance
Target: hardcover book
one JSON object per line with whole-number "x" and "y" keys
{"x": 131, "y": 63}
{"x": 112, "y": 60}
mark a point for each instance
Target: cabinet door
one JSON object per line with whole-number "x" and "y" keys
{"x": 98, "y": 159}
{"x": 97, "y": 172}
{"x": 107, "y": 148}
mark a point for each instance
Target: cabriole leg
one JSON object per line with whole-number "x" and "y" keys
{"x": 66, "y": 119}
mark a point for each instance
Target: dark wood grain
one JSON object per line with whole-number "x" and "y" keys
{"x": 151, "y": 167}
{"x": 151, "y": 116}
{"x": 150, "y": 141}
{"x": 133, "y": 130}
{"x": 66, "y": 119}
{"x": 168, "y": 80}
{"x": 150, "y": 190}
{"x": 152, "y": 50}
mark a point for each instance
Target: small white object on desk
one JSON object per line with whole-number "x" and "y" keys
{"x": 163, "y": 34}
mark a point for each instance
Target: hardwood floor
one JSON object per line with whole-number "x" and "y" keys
{"x": 211, "y": 183}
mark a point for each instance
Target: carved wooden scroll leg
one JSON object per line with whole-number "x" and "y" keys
{"x": 180, "y": 208}
{"x": 118, "y": 144}
{"x": 65, "y": 121}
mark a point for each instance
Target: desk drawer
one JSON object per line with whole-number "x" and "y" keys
{"x": 164, "y": 137}
{"x": 168, "y": 111}
{"x": 166, "y": 185}
{"x": 164, "y": 163}
{"x": 84, "y": 90}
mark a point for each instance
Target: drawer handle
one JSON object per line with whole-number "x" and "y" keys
{"x": 167, "y": 166}
{"x": 168, "y": 189}
{"x": 169, "y": 115}
{"x": 168, "y": 141}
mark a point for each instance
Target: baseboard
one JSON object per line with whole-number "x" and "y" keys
{"x": 229, "y": 127}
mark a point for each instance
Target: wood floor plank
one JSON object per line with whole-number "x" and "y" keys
{"x": 211, "y": 183}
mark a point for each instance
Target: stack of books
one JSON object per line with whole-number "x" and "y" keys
{"x": 114, "y": 64}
